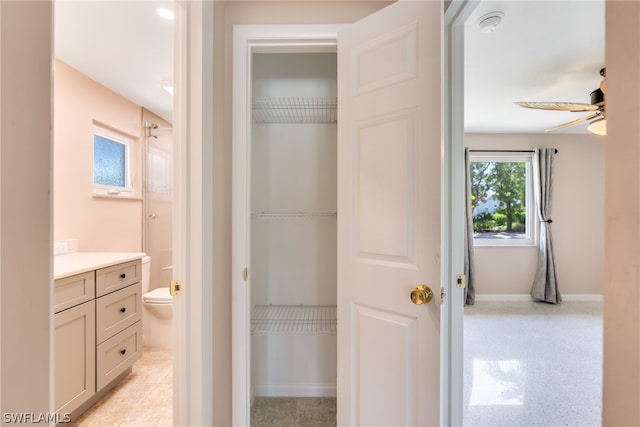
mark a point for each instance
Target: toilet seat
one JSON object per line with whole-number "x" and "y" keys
{"x": 158, "y": 296}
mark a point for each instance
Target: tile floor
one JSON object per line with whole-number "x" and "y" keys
{"x": 293, "y": 412}
{"x": 533, "y": 364}
{"x": 144, "y": 398}
{"x": 526, "y": 364}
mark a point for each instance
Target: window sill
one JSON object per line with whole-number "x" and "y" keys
{"x": 506, "y": 245}
{"x": 117, "y": 197}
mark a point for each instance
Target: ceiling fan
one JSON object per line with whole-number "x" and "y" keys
{"x": 598, "y": 124}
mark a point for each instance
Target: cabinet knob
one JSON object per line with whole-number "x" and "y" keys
{"x": 123, "y": 309}
{"x": 123, "y": 351}
{"x": 122, "y": 276}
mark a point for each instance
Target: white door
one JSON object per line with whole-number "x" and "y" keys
{"x": 389, "y": 176}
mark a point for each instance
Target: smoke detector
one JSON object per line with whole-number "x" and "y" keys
{"x": 489, "y": 23}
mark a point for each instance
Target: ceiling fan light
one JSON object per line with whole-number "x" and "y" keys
{"x": 598, "y": 127}
{"x": 597, "y": 97}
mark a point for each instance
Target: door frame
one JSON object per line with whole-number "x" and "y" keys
{"x": 246, "y": 40}
{"x": 455, "y": 18}
{"x": 193, "y": 28}
{"x": 248, "y": 37}
{"x": 193, "y": 341}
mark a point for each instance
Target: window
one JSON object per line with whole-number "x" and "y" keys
{"x": 501, "y": 199}
{"x": 111, "y": 163}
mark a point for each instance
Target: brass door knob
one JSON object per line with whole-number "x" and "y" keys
{"x": 421, "y": 295}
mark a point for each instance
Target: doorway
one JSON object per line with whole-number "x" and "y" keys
{"x": 504, "y": 274}
{"x": 395, "y": 151}
{"x": 293, "y": 230}
{"x": 286, "y": 310}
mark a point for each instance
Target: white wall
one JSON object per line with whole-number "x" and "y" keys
{"x": 293, "y": 259}
{"x": 294, "y": 169}
{"x": 578, "y": 218}
{"x": 100, "y": 224}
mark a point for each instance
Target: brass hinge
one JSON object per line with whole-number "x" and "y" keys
{"x": 461, "y": 281}
{"x": 175, "y": 287}
{"x": 245, "y": 273}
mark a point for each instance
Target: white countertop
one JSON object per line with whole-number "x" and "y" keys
{"x": 80, "y": 262}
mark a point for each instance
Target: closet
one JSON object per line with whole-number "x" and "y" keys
{"x": 293, "y": 224}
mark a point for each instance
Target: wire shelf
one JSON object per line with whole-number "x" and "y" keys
{"x": 294, "y": 320}
{"x": 293, "y": 215}
{"x": 295, "y": 110}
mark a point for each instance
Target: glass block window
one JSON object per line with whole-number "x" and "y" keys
{"x": 111, "y": 163}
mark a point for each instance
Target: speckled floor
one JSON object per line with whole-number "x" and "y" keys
{"x": 533, "y": 364}
{"x": 526, "y": 364}
{"x": 293, "y": 412}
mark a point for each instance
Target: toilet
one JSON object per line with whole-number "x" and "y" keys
{"x": 157, "y": 308}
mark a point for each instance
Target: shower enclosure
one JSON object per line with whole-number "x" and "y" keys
{"x": 158, "y": 202}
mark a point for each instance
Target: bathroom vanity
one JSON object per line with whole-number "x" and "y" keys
{"x": 97, "y": 325}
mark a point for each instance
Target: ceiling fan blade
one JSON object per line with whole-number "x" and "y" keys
{"x": 574, "y": 122}
{"x": 559, "y": 106}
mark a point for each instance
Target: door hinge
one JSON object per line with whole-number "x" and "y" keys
{"x": 443, "y": 295}
{"x": 245, "y": 273}
{"x": 461, "y": 281}
{"x": 175, "y": 287}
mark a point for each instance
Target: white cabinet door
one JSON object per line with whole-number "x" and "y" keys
{"x": 389, "y": 167}
{"x": 75, "y": 356}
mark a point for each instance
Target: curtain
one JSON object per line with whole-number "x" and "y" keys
{"x": 545, "y": 285}
{"x": 469, "y": 268}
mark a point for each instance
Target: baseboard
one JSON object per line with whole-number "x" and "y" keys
{"x": 523, "y": 297}
{"x": 583, "y": 297}
{"x": 297, "y": 390}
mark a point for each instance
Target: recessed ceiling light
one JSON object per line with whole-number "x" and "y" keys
{"x": 165, "y": 13}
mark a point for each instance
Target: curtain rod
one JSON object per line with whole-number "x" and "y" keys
{"x": 504, "y": 151}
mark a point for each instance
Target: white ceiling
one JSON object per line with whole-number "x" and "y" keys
{"x": 124, "y": 45}
{"x": 542, "y": 51}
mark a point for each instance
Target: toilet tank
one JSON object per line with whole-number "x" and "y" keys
{"x": 146, "y": 274}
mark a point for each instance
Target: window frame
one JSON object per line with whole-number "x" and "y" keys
{"x": 531, "y": 223}
{"x": 113, "y": 190}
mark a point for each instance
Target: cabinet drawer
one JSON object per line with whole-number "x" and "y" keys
{"x": 73, "y": 290}
{"x": 118, "y": 276}
{"x": 118, "y": 310}
{"x": 117, "y": 354}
